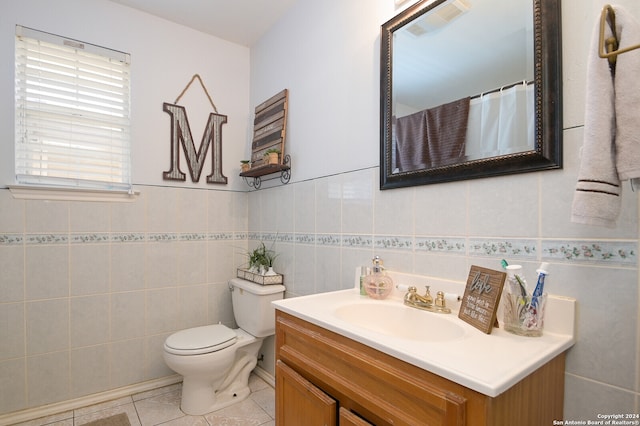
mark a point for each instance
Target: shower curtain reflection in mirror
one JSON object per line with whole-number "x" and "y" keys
{"x": 499, "y": 123}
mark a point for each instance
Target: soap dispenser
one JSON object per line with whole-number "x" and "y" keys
{"x": 377, "y": 284}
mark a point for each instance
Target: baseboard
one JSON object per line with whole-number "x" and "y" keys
{"x": 265, "y": 375}
{"x": 96, "y": 398}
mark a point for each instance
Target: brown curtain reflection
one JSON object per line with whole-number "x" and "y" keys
{"x": 433, "y": 137}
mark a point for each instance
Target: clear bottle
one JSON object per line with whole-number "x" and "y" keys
{"x": 364, "y": 271}
{"x": 377, "y": 284}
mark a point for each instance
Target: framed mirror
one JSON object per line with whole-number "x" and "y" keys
{"x": 470, "y": 89}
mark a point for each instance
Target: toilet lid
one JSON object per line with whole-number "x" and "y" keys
{"x": 200, "y": 340}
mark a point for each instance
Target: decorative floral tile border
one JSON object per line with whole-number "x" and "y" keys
{"x": 128, "y": 237}
{"x": 116, "y": 237}
{"x": 305, "y": 238}
{"x": 98, "y": 238}
{"x": 444, "y": 245}
{"x": 623, "y": 252}
{"x": 329, "y": 240}
{"x": 46, "y": 238}
{"x": 390, "y": 242}
{"x": 516, "y": 248}
{"x": 614, "y": 252}
{"x": 11, "y": 239}
{"x": 357, "y": 241}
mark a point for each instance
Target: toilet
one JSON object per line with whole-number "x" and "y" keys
{"x": 215, "y": 360}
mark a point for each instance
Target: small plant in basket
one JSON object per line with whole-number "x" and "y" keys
{"x": 261, "y": 260}
{"x": 272, "y": 156}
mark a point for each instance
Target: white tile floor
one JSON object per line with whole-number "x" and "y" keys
{"x": 162, "y": 407}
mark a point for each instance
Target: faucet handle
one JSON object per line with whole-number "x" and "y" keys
{"x": 441, "y": 305}
{"x": 427, "y": 295}
{"x": 411, "y": 294}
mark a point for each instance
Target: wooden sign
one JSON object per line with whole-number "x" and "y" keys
{"x": 269, "y": 128}
{"x": 481, "y": 298}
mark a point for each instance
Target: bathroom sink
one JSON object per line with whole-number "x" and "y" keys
{"x": 400, "y": 321}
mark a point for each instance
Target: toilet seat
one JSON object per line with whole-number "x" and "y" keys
{"x": 200, "y": 340}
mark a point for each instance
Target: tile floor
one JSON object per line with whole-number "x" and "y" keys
{"x": 162, "y": 407}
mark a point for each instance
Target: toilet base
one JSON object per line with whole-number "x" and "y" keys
{"x": 198, "y": 397}
{"x": 222, "y": 399}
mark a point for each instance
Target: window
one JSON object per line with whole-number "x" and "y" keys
{"x": 72, "y": 113}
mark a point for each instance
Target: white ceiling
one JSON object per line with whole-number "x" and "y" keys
{"x": 239, "y": 21}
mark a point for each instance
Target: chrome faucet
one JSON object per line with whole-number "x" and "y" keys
{"x": 426, "y": 302}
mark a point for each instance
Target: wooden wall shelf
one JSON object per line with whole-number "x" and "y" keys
{"x": 254, "y": 176}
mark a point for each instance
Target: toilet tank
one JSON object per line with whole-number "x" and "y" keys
{"x": 252, "y": 307}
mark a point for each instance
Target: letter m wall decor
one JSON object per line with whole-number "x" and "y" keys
{"x": 181, "y": 137}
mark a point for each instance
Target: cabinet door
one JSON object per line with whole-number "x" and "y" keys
{"x": 347, "y": 418}
{"x": 299, "y": 402}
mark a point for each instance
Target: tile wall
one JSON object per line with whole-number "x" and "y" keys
{"x": 324, "y": 228}
{"x": 89, "y": 291}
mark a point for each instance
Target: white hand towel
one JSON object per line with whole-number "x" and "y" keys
{"x": 612, "y": 128}
{"x": 627, "y": 87}
{"x": 597, "y": 197}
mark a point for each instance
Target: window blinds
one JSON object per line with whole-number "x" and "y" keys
{"x": 72, "y": 113}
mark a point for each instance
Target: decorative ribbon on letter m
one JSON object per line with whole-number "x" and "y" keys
{"x": 181, "y": 136}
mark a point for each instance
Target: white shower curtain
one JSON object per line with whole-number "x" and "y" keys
{"x": 501, "y": 122}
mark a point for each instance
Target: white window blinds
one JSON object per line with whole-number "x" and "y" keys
{"x": 72, "y": 113}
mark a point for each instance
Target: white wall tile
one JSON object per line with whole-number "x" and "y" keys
{"x": 220, "y": 264}
{"x": 13, "y": 392}
{"x": 161, "y": 209}
{"x": 327, "y": 269}
{"x": 46, "y": 272}
{"x": 127, "y": 315}
{"x": 89, "y": 217}
{"x": 431, "y": 201}
{"x": 12, "y": 213}
{"x": 504, "y": 207}
{"x": 46, "y": 216}
{"x": 12, "y": 273}
{"x": 47, "y": 378}
{"x": 192, "y": 262}
{"x": 89, "y": 320}
{"x": 329, "y": 204}
{"x": 161, "y": 264}
{"x": 305, "y": 207}
{"x": 155, "y": 366}
{"x": 12, "y": 330}
{"x": 47, "y": 324}
{"x": 220, "y": 305}
{"x": 358, "y": 189}
{"x": 89, "y": 370}
{"x": 127, "y": 360}
{"x": 131, "y": 216}
{"x": 192, "y": 211}
{"x": 127, "y": 266}
{"x": 394, "y": 212}
{"x": 220, "y": 210}
{"x": 162, "y": 311}
{"x": 193, "y": 306}
{"x": 89, "y": 269}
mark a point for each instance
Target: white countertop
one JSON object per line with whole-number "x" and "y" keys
{"x": 487, "y": 363}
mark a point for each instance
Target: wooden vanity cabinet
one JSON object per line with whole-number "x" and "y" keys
{"x": 323, "y": 378}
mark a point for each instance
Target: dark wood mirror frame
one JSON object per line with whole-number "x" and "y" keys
{"x": 548, "y": 106}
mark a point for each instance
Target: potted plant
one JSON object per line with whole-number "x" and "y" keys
{"x": 261, "y": 260}
{"x": 272, "y": 156}
{"x": 245, "y": 165}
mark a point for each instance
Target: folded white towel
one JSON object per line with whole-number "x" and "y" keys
{"x": 611, "y": 148}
